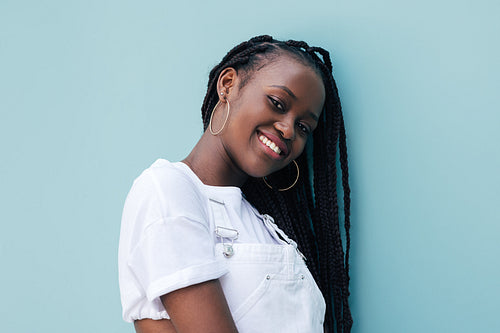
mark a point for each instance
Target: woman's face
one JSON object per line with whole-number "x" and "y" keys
{"x": 271, "y": 116}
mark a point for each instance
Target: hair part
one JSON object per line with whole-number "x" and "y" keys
{"x": 309, "y": 212}
{"x": 275, "y": 52}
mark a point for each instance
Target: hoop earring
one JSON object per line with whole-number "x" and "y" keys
{"x": 289, "y": 187}
{"x": 212, "y": 115}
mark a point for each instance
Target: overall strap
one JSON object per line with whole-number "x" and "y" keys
{"x": 223, "y": 227}
{"x": 269, "y": 221}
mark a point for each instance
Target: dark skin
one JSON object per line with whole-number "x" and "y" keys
{"x": 282, "y": 102}
{"x": 198, "y": 308}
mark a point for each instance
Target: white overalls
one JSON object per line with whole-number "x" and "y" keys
{"x": 284, "y": 296}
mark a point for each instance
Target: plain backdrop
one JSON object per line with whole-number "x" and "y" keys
{"x": 93, "y": 92}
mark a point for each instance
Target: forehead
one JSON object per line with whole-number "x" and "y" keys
{"x": 305, "y": 83}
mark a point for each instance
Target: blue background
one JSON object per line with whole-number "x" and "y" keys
{"x": 92, "y": 92}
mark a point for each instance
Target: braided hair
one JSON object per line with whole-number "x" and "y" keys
{"x": 309, "y": 212}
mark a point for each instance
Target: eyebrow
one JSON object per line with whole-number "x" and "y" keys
{"x": 289, "y": 92}
{"x": 313, "y": 116}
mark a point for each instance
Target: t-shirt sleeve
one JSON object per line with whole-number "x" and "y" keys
{"x": 166, "y": 242}
{"x": 174, "y": 253}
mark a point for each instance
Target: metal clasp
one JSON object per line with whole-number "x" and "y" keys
{"x": 229, "y": 234}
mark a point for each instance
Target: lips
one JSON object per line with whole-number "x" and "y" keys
{"x": 274, "y": 143}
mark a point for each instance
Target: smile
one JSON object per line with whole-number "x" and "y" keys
{"x": 270, "y": 144}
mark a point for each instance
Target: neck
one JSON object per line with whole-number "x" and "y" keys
{"x": 211, "y": 163}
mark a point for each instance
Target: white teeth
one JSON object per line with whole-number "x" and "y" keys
{"x": 270, "y": 144}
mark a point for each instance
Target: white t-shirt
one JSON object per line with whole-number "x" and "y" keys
{"x": 167, "y": 239}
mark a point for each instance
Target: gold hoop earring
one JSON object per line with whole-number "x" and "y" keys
{"x": 289, "y": 187}
{"x": 212, "y": 115}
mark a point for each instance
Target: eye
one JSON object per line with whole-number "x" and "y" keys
{"x": 304, "y": 129}
{"x": 277, "y": 104}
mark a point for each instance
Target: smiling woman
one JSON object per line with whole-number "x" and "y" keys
{"x": 219, "y": 241}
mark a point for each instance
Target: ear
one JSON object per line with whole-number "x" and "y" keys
{"x": 227, "y": 83}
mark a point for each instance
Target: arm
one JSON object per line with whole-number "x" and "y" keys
{"x": 198, "y": 308}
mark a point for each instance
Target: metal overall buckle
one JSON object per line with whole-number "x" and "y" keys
{"x": 229, "y": 234}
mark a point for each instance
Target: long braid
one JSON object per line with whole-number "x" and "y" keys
{"x": 333, "y": 234}
{"x": 328, "y": 221}
{"x": 347, "y": 318}
{"x": 309, "y": 212}
{"x": 347, "y": 211}
{"x": 346, "y": 189}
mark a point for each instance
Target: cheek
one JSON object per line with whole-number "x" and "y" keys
{"x": 298, "y": 147}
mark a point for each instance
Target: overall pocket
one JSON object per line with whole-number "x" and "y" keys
{"x": 280, "y": 304}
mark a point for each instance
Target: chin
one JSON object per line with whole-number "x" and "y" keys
{"x": 259, "y": 172}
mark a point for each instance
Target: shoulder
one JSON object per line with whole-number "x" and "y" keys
{"x": 178, "y": 186}
{"x": 167, "y": 190}
{"x": 167, "y": 175}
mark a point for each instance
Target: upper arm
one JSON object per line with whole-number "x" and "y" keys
{"x": 199, "y": 308}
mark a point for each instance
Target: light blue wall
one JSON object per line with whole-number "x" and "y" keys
{"x": 92, "y": 92}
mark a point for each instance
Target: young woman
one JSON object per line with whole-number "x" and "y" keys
{"x": 243, "y": 235}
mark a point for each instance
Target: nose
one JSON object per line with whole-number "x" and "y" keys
{"x": 286, "y": 129}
